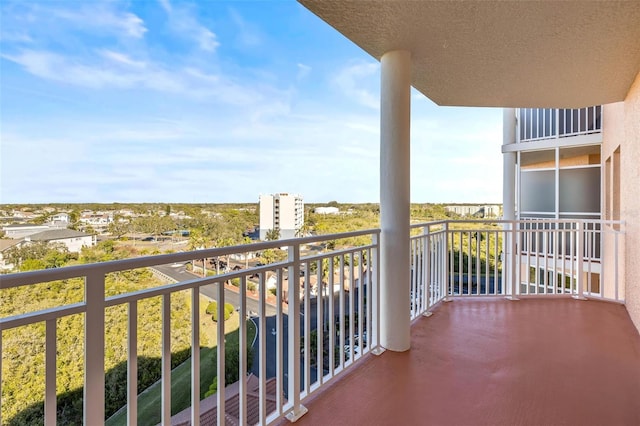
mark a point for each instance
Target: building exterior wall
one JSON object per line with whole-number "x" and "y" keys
{"x": 281, "y": 211}
{"x": 621, "y": 145}
{"x": 75, "y": 244}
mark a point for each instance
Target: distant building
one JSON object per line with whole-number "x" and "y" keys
{"x": 73, "y": 240}
{"x": 60, "y": 217}
{"x": 17, "y": 232}
{"x": 477, "y": 210}
{"x": 281, "y": 211}
{"x": 6, "y": 245}
{"x": 326, "y": 210}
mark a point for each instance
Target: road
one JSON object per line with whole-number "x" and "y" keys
{"x": 179, "y": 273}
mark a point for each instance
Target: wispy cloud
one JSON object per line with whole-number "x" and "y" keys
{"x": 303, "y": 71}
{"x": 121, "y": 58}
{"x": 357, "y": 82}
{"x": 184, "y": 23}
{"x": 247, "y": 34}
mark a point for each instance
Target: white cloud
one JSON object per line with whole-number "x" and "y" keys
{"x": 101, "y": 16}
{"x": 166, "y": 5}
{"x": 85, "y": 72}
{"x": 357, "y": 82}
{"x": 206, "y": 39}
{"x": 185, "y": 24}
{"x": 247, "y": 34}
{"x": 303, "y": 71}
{"x": 121, "y": 58}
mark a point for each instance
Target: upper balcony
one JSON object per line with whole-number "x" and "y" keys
{"x": 536, "y": 124}
{"x": 482, "y": 359}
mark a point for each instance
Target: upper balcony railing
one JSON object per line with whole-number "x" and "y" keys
{"x": 545, "y": 123}
{"x": 325, "y": 314}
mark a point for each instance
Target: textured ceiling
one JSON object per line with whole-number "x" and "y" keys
{"x": 501, "y": 53}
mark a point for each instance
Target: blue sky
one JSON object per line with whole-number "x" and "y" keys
{"x": 216, "y": 101}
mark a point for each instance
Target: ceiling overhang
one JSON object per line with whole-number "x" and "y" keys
{"x": 501, "y": 53}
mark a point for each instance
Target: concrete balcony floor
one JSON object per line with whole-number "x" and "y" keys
{"x": 496, "y": 362}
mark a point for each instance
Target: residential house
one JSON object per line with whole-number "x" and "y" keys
{"x": 19, "y": 231}
{"x": 6, "y": 245}
{"x": 73, "y": 240}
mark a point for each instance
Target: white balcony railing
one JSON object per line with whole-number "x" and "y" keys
{"x": 544, "y": 123}
{"x": 332, "y": 308}
{"x": 579, "y": 258}
{"x": 342, "y": 276}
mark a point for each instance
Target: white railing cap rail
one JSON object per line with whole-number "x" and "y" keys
{"x": 524, "y": 220}
{"x": 46, "y": 275}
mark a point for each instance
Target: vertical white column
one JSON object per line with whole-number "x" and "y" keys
{"x": 508, "y": 198}
{"x": 509, "y": 164}
{"x": 395, "y": 262}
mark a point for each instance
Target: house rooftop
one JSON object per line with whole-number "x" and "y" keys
{"x": 56, "y": 234}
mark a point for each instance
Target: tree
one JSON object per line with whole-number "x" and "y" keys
{"x": 272, "y": 234}
{"x": 197, "y": 240}
{"x": 119, "y": 227}
{"x": 38, "y": 255}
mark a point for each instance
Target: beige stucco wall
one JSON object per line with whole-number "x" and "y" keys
{"x": 622, "y": 129}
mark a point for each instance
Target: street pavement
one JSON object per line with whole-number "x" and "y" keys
{"x": 180, "y": 273}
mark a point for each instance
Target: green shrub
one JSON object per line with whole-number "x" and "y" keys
{"x": 228, "y": 308}
{"x": 212, "y": 309}
{"x": 235, "y": 282}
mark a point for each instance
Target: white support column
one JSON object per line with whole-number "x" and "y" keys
{"x": 395, "y": 261}
{"x": 509, "y": 164}
{"x": 508, "y": 198}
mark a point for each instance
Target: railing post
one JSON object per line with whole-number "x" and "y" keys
{"x": 93, "y": 400}
{"x": 298, "y": 410}
{"x": 579, "y": 261}
{"x": 426, "y": 275}
{"x": 509, "y": 270}
{"x": 375, "y": 295}
{"x": 448, "y": 285}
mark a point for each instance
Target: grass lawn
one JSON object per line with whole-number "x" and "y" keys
{"x": 149, "y": 402}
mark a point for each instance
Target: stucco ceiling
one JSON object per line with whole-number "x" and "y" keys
{"x": 501, "y": 53}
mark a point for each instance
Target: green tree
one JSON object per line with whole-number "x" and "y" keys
{"x": 119, "y": 227}
{"x": 32, "y": 265}
{"x": 272, "y": 234}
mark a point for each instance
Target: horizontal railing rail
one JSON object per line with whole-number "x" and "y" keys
{"x": 317, "y": 314}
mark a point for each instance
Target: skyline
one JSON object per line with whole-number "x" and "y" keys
{"x": 216, "y": 102}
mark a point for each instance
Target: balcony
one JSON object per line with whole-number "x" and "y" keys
{"x": 496, "y": 362}
{"x": 481, "y": 359}
{"x": 545, "y": 123}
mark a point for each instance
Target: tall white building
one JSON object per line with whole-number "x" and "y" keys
{"x": 281, "y": 211}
